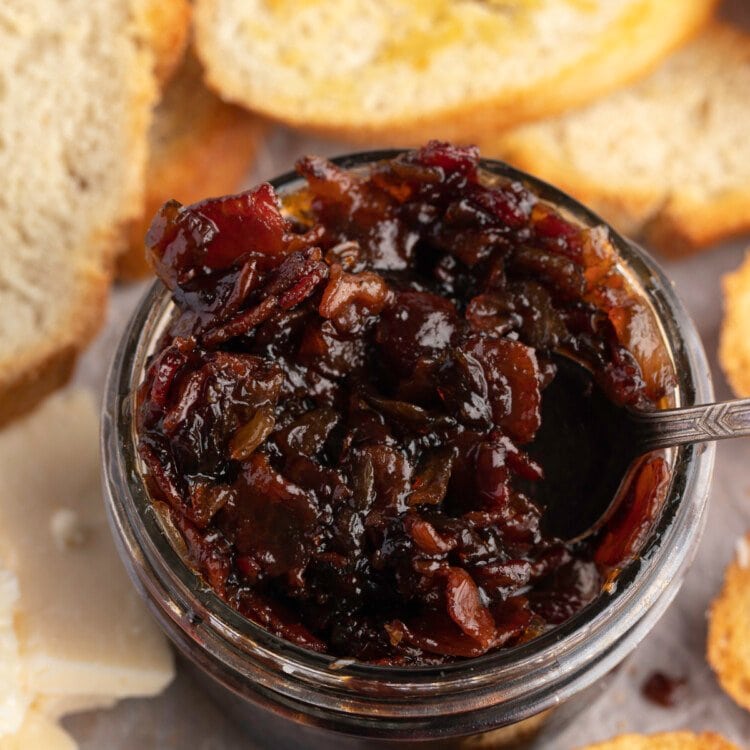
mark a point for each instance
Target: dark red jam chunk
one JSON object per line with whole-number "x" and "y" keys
{"x": 338, "y": 417}
{"x": 187, "y": 241}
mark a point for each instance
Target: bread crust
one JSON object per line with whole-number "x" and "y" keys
{"x": 623, "y": 54}
{"x": 666, "y": 741}
{"x": 734, "y": 347}
{"x": 35, "y": 374}
{"x": 198, "y": 146}
{"x": 676, "y": 223}
{"x": 685, "y": 226}
{"x": 728, "y": 648}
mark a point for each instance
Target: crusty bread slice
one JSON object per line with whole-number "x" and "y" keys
{"x": 734, "y": 344}
{"x": 728, "y": 627}
{"x": 198, "y": 146}
{"x": 666, "y": 741}
{"x": 667, "y": 158}
{"x": 399, "y": 70}
{"x": 77, "y": 89}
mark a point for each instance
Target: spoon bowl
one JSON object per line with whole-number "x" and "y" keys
{"x": 591, "y": 446}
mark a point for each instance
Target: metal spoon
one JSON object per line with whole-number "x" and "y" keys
{"x": 588, "y": 446}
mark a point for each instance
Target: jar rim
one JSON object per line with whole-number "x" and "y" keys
{"x": 541, "y": 671}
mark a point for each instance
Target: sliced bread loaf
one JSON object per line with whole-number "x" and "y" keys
{"x": 198, "y": 146}
{"x": 668, "y": 158}
{"x": 399, "y": 70}
{"x": 76, "y": 92}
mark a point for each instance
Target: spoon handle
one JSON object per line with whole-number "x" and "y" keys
{"x": 693, "y": 424}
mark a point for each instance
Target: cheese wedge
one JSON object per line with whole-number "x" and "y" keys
{"x": 84, "y": 636}
{"x": 38, "y": 733}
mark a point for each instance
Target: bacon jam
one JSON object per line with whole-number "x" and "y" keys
{"x": 340, "y": 414}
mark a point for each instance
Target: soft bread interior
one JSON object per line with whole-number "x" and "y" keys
{"x": 76, "y": 91}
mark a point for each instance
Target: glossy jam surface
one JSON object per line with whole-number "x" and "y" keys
{"x": 339, "y": 416}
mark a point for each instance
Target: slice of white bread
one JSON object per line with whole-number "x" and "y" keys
{"x": 666, "y": 741}
{"x": 83, "y": 636}
{"x": 668, "y": 158}
{"x": 734, "y": 343}
{"x": 728, "y": 627}
{"x": 400, "y": 71}
{"x": 198, "y": 146}
{"x": 76, "y": 92}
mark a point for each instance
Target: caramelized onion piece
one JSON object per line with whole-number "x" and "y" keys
{"x": 466, "y": 608}
{"x": 248, "y": 437}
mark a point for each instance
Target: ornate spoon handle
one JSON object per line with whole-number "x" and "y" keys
{"x": 694, "y": 424}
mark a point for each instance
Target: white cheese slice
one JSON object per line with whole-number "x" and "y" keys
{"x": 38, "y": 733}
{"x": 13, "y": 701}
{"x": 82, "y": 629}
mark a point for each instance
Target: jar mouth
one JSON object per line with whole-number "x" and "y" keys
{"x": 594, "y": 635}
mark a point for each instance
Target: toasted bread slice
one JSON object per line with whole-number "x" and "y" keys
{"x": 73, "y": 128}
{"x": 198, "y": 146}
{"x": 728, "y": 628}
{"x": 666, "y": 741}
{"x": 668, "y": 158}
{"x": 399, "y": 71}
{"x": 734, "y": 346}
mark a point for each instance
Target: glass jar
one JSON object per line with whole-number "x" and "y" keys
{"x": 284, "y": 693}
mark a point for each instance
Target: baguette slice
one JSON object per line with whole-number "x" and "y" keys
{"x": 667, "y": 159}
{"x": 399, "y": 71}
{"x": 728, "y": 628}
{"x": 77, "y": 94}
{"x": 734, "y": 345}
{"x": 198, "y": 146}
{"x": 666, "y": 741}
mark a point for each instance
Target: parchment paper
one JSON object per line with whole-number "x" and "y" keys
{"x": 183, "y": 717}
